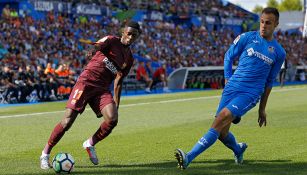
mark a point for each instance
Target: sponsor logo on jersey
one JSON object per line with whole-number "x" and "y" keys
{"x": 252, "y": 52}
{"x": 110, "y": 65}
{"x": 256, "y": 41}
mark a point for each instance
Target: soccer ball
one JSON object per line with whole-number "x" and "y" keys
{"x": 63, "y": 163}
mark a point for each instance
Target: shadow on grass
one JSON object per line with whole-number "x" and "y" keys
{"x": 263, "y": 167}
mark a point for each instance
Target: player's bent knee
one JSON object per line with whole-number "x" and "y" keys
{"x": 68, "y": 119}
{"x": 222, "y": 120}
{"x": 111, "y": 116}
{"x": 107, "y": 126}
{"x": 225, "y": 113}
{"x": 112, "y": 123}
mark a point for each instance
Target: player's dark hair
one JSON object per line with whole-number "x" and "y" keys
{"x": 134, "y": 25}
{"x": 271, "y": 10}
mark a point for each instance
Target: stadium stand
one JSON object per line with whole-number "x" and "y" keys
{"x": 178, "y": 33}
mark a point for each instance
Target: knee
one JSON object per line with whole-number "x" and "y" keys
{"x": 68, "y": 119}
{"x": 112, "y": 123}
{"x": 111, "y": 116}
{"x": 225, "y": 113}
{"x": 222, "y": 120}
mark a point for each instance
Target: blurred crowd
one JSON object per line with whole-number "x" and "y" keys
{"x": 172, "y": 7}
{"x": 47, "y": 55}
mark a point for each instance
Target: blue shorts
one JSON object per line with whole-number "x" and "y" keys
{"x": 238, "y": 103}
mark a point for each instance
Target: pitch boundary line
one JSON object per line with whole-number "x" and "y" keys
{"x": 139, "y": 104}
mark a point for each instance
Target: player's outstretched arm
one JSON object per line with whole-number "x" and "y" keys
{"x": 97, "y": 46}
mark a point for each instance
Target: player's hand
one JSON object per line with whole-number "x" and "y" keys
{"x": 262, "y": 118}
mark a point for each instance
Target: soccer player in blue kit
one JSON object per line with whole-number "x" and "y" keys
{"x": 260, "y": 59}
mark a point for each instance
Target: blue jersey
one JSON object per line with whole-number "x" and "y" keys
{"x": 259, "y": 63}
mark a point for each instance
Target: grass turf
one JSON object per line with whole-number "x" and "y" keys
{"x": 151, "y": 127}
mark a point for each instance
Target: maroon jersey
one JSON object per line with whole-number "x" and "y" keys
{"x": 159, "y": 72}
{"x": 112, "y": 58}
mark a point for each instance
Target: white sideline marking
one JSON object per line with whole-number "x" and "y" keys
{"x": 140, "y": 104}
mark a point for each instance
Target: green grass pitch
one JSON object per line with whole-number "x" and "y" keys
{"x": 151, "y": 127}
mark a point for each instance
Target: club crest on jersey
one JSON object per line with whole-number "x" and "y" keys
{"x": 124, "y": 66}
{"x": 110, "y": 65}
{"x": 271, "y": 49}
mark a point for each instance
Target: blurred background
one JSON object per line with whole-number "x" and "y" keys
{"x": 41, "y": 54}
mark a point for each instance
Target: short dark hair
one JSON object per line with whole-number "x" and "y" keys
{"x": 134, "y": 25}
{"x": 271, "y": 10}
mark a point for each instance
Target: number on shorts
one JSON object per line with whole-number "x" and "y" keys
{"x": 77, "y": 94}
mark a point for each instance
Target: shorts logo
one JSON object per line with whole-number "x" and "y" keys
{"x": 73, "y": 101}
{"x": 110, "y": 65}
{"x": 234, "y": 106}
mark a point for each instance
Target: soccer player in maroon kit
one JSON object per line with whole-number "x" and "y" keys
{"x": 112, "y": 61}
{"x": 160, "y": 76}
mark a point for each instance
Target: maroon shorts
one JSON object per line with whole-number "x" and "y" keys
{"x": 83, "y": 94}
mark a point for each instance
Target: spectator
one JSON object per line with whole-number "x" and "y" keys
{"x": 26, "y": 41}
{"x": 7, "y": 78}
{"x": 282, "y": 73}
{"x": 160, "y": 76}
{"x": 141, "y": 75}
{"x": 6, "y": 12}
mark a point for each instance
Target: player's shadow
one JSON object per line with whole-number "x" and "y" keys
{"x": 263, "y": 167}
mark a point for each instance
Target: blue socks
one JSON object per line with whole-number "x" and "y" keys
{"x": 231, "y": 143}
{"x": 205, "y": 142}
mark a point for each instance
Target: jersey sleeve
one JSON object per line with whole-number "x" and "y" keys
{"x": 103, "y": 42}
{"x": 235, "y": 50}
{"x": 276, "y": 68}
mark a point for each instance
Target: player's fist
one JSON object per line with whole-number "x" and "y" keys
{"x": 262, "y": 118}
